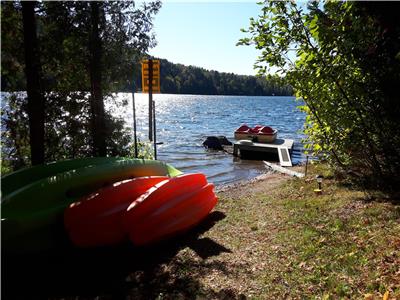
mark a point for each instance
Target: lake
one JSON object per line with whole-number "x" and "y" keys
{"x": 184, "y": 121}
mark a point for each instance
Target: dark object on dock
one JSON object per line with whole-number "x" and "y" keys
{"x": 216, "y": 142}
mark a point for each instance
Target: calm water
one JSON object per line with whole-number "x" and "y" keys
{"x": 184, "y": 121}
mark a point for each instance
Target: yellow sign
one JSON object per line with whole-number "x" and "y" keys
{"x": 155, "y": 70}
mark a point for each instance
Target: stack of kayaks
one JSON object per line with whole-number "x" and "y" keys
{"x": 99, "y": 201}
{"x": 259, "y": 133}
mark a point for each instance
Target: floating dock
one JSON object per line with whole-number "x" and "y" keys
{"x": 244, "y": 146}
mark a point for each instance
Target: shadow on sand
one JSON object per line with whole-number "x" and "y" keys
{"x": 110, "y": 272}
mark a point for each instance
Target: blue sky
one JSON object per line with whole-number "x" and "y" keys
{"x": 205, "y": 34}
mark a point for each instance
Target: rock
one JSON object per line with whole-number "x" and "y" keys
{"x": 212, "y": 142}
{"x": 224, "y": 141}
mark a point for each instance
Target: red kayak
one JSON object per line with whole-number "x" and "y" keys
{"x": 168, "y": 208}
{"x": 147, "y": 209}
{"x": 96, "y": 220}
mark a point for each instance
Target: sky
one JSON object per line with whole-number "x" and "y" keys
{"x": 205, "y": 34}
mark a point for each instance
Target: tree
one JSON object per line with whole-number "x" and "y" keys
{"x": 64, "y": 34}
{"x": 95, "y": 69}
{"x": 33, "y": 83}
{"x": 335, "y": 55}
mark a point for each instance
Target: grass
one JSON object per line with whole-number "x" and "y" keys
{"x": 336, "y": 245}
{"x": 289, "y": 242}
{"x": 272, "y": 239}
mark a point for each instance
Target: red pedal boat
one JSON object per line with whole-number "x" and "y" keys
{"x": 259, "y": 133}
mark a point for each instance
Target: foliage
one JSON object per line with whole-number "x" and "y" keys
{"x": 67, "y": 129}
{"x": 15, "y": 133}
{"x": 145, "y": 150}
{"x": 343, "y": 60}
{"x": 64, "y": 34}
{"x": 12, "y": 67}
{"x": 181, "y": 79}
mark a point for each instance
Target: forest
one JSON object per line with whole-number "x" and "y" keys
{"x": 181, "y": 79}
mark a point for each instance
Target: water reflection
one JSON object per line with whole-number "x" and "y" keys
{"x": 183, "y": 122}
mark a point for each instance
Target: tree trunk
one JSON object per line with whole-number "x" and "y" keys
{"x": 96, "y": 99}
{"x": 33, "y": 74}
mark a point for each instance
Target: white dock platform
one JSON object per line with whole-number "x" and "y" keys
{"x": 245, "y": 145}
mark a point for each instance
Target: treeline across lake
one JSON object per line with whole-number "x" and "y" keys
{"x": 181, "y": 79}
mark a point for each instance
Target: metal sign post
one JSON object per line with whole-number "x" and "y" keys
{"x": 154, "y": 120}
{"x": 151, "y": 84}
{"x": 134, "y": 121}
{"x": 150, "y": 63}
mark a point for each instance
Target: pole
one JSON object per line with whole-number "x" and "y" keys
{"x": 305, "y": 173}
{"x": 150, "y": 100}
{"x": 154, "y": 120}
{"x": 134, "y": 120}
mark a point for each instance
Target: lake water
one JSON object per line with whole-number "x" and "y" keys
{"x": 184, "y": 121}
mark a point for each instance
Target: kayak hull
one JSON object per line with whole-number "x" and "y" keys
{"x": 169, "y": 208}
{"x": 18, "y": 179}
{"x": 36, "y": 207}
{"x": 96, "y": 220}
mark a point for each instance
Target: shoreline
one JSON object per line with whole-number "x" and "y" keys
{"x": 268, "y": 175}
{"x": 243, "y": 182}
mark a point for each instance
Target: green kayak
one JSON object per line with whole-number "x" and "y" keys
{"x": 31, "y": 213}
{"x": 16, "y": 180}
